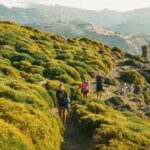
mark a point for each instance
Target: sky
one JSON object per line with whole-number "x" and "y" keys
{"x": 120, "y": 5}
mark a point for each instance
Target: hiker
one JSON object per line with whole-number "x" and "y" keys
{"x": 63, "y": 102}
{"x": 85, "y": 88}
{"x": 99, "y": 86}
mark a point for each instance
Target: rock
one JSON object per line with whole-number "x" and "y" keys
{"x": 137, "y": 89}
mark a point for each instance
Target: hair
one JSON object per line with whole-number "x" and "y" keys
{"x": 61, "y": 85}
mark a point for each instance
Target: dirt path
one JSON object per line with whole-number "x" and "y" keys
{"x": 73, "y": 137}
{"x": 109, "y": 90}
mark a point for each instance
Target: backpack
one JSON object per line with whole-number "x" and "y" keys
{"x": 85, "y": 87}
{"x": 67, "y": 102}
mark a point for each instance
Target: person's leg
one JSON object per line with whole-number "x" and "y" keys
{"x": 64, "y": 115}
{"x": 97, "y": 95}
{"x": 84, "y": 95}
{"x": 100, "y": 95}
{"x": 59, "y": 111}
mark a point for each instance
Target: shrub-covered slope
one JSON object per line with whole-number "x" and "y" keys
{"x": 27, "y": 57}
{"x": 111, "y": 129}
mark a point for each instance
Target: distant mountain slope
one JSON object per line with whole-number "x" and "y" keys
{"x": 75, "y": 28}
{"x": 106, "y": 18}
{"x": 131, "y": 28}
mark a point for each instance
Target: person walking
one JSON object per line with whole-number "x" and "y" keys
{"x": 85, "y": 88}
{"x": 63, "y": 102}
{"x": 99, "y": 86}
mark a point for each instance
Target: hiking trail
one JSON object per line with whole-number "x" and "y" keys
{"x": 73, "y": 137}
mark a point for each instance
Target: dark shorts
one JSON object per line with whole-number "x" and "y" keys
{"x": 85, "y": 91}
{"x": 63, "y": 106}
{"x": 99, "y": 88}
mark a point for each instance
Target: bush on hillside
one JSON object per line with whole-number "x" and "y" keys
{"x": 111, "y": 129}
{"x": 111, "y": 81}
{"x": 10, "y": 71}
{"x": 147, "y": 97}
{"x": 118, "y": 50}
{"x": 72, "y": 72}
{"x": 66, "y": 79}
{"x": 22, "y": 57}
{"x": 132, "y": 77}
{"x": 115, "y": 101}
{"x": 101, "y": 65}
{"x": 53, "y": 72}
{"x": 40, "y": 130}
{"x": 82, "y": 72}
{"x": 108, "y": 61}
{"x": 132, "y": 63}
{"x": 12, "y": 138}
{"x": 88, "y": 68}
{"x": 135, "y": 57}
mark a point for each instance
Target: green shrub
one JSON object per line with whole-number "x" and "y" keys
{"x": 10, "y": 71}
{"x": 88, "y": 68}
{"x": 115, "y": 101}
{"x": 82, "y": 72}
{"x": 40, "y": 130}
{"x": 113, "y": 82}
{"x": 35, "y": 70}
{"x": 147, "y": 97}
{"x": 53, "y": 72}
{"x": 65, "y": 79}
{"x": 71, "y": 72}
{"x": 132, "y": 77}
{"x": 40, "y": 56}
{"x": 52, "y": 94}
{"x": 118, "y": 50}
{"x": 21, "y": 57}
{"x": 11, "y": 138}
{"x": 111, "y": 129}
{"x": 108, "y": 61}
{"x": 132, "y": 63}
{"x": 101, "y": 65}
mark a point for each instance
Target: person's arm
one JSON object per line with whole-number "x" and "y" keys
{"x": 89, "y": 86}
{"x": 57, "y": 94}
{"x": 66, "y": 95}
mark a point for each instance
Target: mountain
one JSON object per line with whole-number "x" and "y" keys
{"x": 119, "y": 21}
{"x": 130, "y": 42}
{"x": 29, "y": 120}
{"x": 131, "y": 28}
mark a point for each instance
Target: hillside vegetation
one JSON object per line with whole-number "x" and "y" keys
{"x": 78, "y": 28}
{"x": 27, "y": 57}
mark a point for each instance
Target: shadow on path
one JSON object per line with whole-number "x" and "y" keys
{"x": 74, "y": 139}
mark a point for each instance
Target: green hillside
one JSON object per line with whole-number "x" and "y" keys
{"x": 27, "y": 57}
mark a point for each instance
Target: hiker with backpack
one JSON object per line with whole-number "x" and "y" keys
{"x": 63, "y": 102}
{"x": 99, "y": 86}
{"x": 85, "y": 88}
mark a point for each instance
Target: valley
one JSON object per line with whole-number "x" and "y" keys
{"x": 78, "y": 28}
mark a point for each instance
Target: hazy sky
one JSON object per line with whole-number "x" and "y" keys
{"x": 121, "y": 5}
{"x": 101, "y": 4}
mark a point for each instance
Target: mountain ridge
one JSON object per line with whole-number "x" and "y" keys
{"x": 104, "y": 18}
{"x": 70, "y": 29}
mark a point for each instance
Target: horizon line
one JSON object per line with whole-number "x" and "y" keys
{"x": 121, "y": 11}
